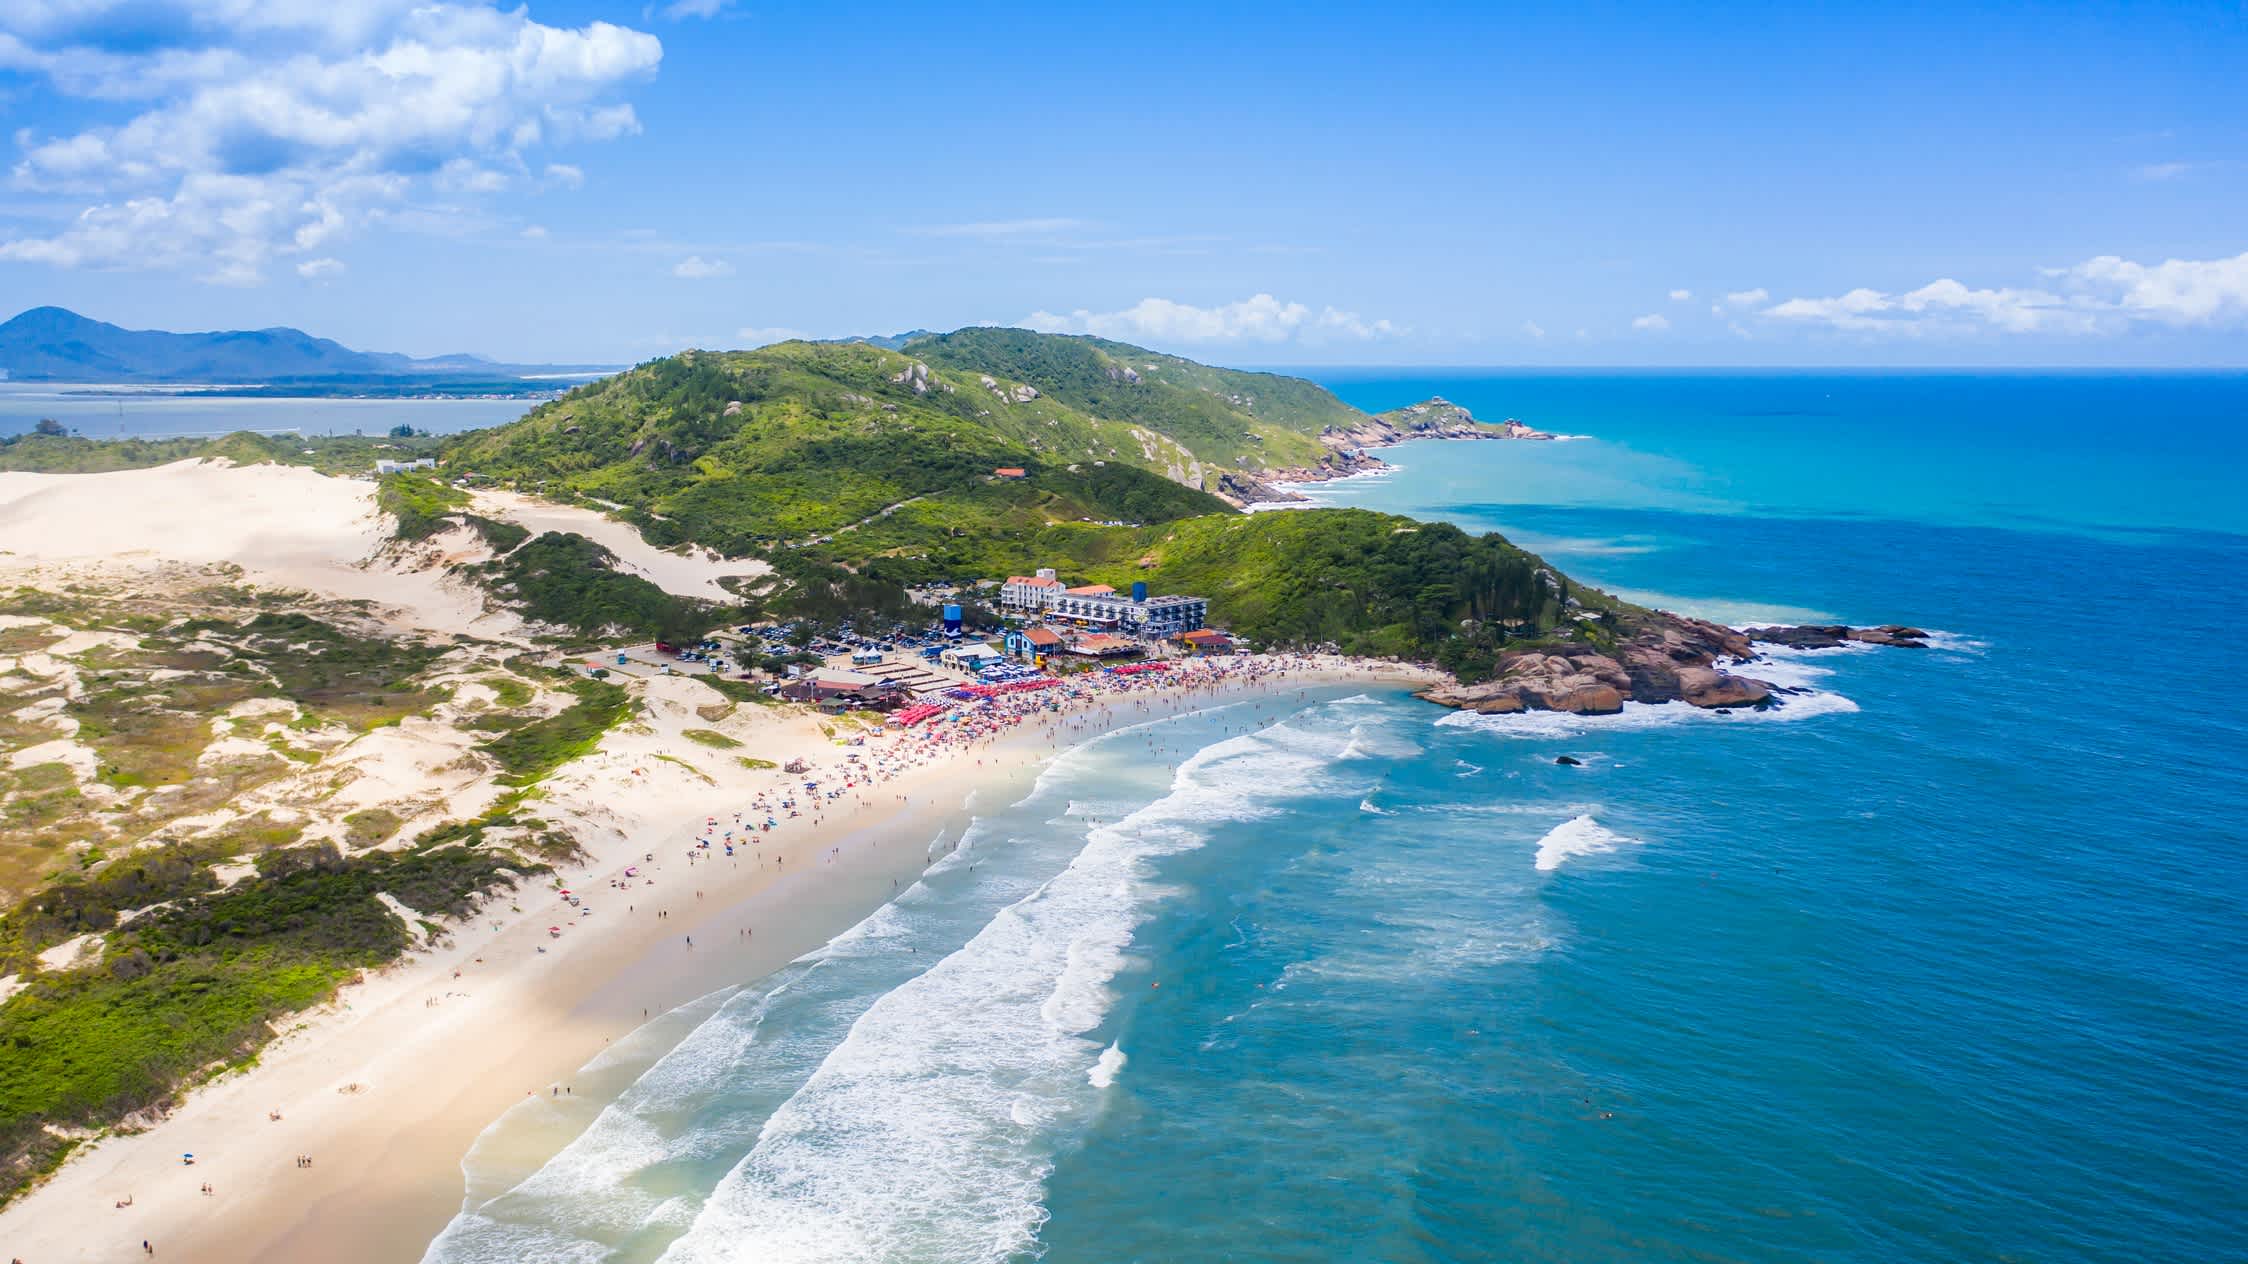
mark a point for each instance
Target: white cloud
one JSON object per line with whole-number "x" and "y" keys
{"x": 1261, "y": 318}
{"x": 697, "y": 268}
{"x": 2107, "y": 294}
{"x": 534, "y": 232}
{"x": 314, "y": 269}
{"x": 262, "y": 127}
{"x": 679, "y": 10}
{"x": 2175, "y": 291}
{"x": 562, "y": 175}
{"x": 463, "y": 175}
{"x": 1748, "y": 298}
{"x": 1654, "y": 322}
{"x": 1533, "y": 328}
{"x": 1681, "y": 296}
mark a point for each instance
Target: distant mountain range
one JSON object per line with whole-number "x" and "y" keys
{"x": 54, "y": 344}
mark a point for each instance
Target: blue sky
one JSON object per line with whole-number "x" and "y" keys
{"x": 1411, "y": 184}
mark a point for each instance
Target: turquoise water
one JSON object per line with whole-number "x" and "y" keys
{"x": 1943, "y": 962}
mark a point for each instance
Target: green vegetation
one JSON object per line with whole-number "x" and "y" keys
{"x": 198, "y": 982}
{"x": 365, "y": 828}
{"x": 362, "y": 681}
{"x": 751, "y": 761}
{"x": 757, "y": 451}
{"x": 422, "y": 505}
{"x": 709, "y": 737}
{"x": 1225, "y": 416}
{"x": 570, "y": 582}
{"x": 527, "y": 754}
{"x": 329, "y": 454}
{"x": 859, "y": 470}
{"x": 502, "y": 536}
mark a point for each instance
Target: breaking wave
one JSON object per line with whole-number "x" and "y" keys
{"x": 1577, "y": 836}
{"x": 929, "y": 1130}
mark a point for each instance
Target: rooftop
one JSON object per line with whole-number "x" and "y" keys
{"x": 1092, "y": 590}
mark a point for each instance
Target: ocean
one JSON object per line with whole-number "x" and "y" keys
{"x": 129, "y": 412}
{"x": 1943, "y": 961}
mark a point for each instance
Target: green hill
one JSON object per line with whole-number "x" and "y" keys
{"x": 860, "y": 470}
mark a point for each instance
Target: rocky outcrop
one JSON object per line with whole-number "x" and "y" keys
{"x": 1823, "y": 636}
{"x": 1435, "y": 418}
{"x": 1244, "y": 487}
{"x": 1659, "y": 658}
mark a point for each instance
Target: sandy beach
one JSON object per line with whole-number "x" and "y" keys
{"x": 343, "y": 1141}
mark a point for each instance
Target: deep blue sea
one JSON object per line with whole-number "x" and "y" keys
{"x": 1946, "y": 961}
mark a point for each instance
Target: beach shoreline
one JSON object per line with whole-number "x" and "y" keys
{"x": 387, "y": 1088}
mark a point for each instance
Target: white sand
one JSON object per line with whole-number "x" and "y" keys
{"x": 691, "y": 572}
{"x": 387, "y": 1088}
{"x": 285, "y": 526}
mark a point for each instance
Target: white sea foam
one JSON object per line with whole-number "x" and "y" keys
{"x": 1372, "y": 741}
{"x": 1577, "y": 836}
{"x": 927, "y": 1133}
{"x": 1104, "y": 1070}
{"x": 1367, "y": 806}
{"x": 1546, "y": 725}
{"x": 1789, "y": 669}
{"x": 1466, "y": 769}
{"x": 1956, "y": 643}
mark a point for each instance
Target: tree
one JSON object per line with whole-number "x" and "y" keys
{"x": 49, "y": 426}
{"x": 401, "y": 431}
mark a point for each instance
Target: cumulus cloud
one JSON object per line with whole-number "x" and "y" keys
{"x": 1533, "y": 328}
{"x": 259, "y": 129}
{"x": 2107, "y": 294}
{"x": 1654, "y": 322}
{"x": 2175, "y": 291}
{"x": 697, "y": 268}
{"x": 314, "y": 269}
{"x": 561, "y": 175}
{"x": 1681, "y": 296}
{"x": 1748, "y": 298}
{"x": 1260, "y": 318}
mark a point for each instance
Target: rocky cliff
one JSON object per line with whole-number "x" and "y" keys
{"x": 1659, "y": 658}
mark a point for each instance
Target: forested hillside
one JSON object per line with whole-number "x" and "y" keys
{"x": 859, "y": 471}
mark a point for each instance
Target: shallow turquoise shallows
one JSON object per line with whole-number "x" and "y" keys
{"x": 1944, "y": 961}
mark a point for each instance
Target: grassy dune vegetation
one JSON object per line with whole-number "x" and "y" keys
{"x": 194, "y": 987}
{"x": 329, "y": 454}
{"x": 165, "y": 711}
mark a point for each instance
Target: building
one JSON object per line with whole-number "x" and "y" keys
{"x": 1034, "y": 642}
{"x": 970, "y": 656}
{"x": 846, "y": 690}
{"x": 1031, "y": 594}
{"x": 1103, "y": 645}
{"x": 1206, "y": 641}
{"x": 1101, "y": 607}
{"x": 1151, "y": 617}
{"x": 400, "y": 467}
{"x": 1009, "y": 471}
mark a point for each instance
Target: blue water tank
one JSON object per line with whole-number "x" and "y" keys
{"x": 1139, "y": 590}
{"x": 952, "y": 620}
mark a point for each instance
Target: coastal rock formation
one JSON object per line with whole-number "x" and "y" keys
{"x": 1818, "y": 636}
{"x": 1433, "y": 418}
{"x": 1270, "y": 486}
{"x": 1659, "y": 658}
